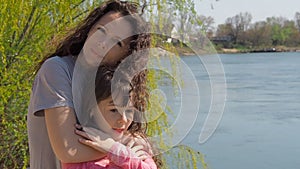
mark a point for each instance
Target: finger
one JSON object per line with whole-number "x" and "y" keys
{"x": 88, "y": 143}
{"x": 91, "y": 133}
{"x": 140, "y": 153}
{"x": 141, "y": 141}
{"x": 144, "y": 157}
{"x": 137, "y": 148}
{"x": 85, "y": 141}
{"x": 125, "y": 140}
{"x": 92, "y": 130}
{"x": 92, "y": 144}
{"x": 130, "y": 143}
{"x": 82, "y": 134}
{"x": 78, "y": 126}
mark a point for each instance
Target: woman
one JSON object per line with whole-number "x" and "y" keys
{"x": 51, "y": 116}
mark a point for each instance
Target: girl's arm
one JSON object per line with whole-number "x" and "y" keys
{"x": 60, "y": 125}
{"x": 127, "y": 157}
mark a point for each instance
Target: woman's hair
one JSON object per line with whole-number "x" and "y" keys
{"x": 74, "y": 42}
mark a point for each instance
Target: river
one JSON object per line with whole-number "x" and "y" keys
{"x": 261, "y": 121}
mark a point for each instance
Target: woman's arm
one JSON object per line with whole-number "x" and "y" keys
{"x": 60, "y": 123}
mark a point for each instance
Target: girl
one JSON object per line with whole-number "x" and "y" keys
{"x": 120, "y": 110}
{"x": 51, "y": 118}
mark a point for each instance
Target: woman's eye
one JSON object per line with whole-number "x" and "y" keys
{"x": 101, "y": 29}
{"x": 120, "y": 43}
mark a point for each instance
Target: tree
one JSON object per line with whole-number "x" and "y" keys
{"x": 27, "y": 30}
{"x": 259, "y": 34}
{"x": 205, "y": 23}
{"x": 297, "y": 20}
{"x": 239, "y": 24}
{"x": 224, "y": 30}
{"x": 281, "y": 29}
{"x": 291, "y": 34}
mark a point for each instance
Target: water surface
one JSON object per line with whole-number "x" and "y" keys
{"x": 261, "y": 122}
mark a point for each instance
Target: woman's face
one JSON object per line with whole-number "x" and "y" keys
{"x": 108, "y": 40}
{"x": 119, "y": 117}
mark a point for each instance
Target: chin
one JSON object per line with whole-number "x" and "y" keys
{"x": 117, "y": 136}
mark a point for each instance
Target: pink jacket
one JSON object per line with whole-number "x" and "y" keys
{"x": 119, "y": 157}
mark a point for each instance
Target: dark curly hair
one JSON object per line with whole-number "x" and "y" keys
{"x": 74, "y": 42}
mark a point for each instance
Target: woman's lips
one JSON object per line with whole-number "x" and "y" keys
{"x": 96, "y": 53}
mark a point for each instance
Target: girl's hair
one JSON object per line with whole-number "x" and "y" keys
{"x": 107, "y": 84}
{"x": 74, "y": 42}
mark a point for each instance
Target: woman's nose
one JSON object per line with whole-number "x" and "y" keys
{"x": 102, "y": 45}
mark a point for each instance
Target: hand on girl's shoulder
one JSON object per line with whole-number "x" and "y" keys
{"x": 133, "y": 141}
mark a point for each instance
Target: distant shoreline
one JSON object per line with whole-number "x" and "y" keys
{"x": 188, "y": 52}
{"x": 262, "y": 50}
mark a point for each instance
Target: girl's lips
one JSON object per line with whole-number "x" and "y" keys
{"x": 119, "y": 130}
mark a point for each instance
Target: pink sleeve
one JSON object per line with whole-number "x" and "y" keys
{"x": 122, "y": 156}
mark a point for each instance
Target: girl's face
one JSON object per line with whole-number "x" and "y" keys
{"x": 118, "y": 117}
{"x": 108, "y": 40}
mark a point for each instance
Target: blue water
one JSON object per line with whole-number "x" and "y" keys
{"x": 261, "y": 121}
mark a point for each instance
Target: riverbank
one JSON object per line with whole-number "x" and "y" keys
{"x": 186, "y": 51}
{"x": 260, "y": 50}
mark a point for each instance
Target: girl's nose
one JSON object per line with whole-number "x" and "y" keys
{"x": 123, "y": 118}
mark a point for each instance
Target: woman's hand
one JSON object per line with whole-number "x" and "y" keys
{"x": 136, "y": 145}
{"x": 94, "y": 138}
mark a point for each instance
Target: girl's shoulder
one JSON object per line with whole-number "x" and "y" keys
{"x": 144, "y": 141}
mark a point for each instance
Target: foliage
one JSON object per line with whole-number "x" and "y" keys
{"x": 183, "y": 17}
{"x": 29, "y": 30}
{"x": 26, "y": 28}
{"x": 275, "y": 31}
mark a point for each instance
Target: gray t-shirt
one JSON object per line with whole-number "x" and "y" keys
{"x": 52, "y": 88}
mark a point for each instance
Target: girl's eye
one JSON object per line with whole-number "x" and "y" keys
{"x": 128, "y": 111}
{"x": 114, "y": 110}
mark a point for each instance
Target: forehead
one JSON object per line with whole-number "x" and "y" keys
{"x": 116, "y": 24}
{"x": 118, "y": 101}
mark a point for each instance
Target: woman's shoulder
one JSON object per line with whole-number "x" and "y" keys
{"x": 60, "y": 60}
{"x": 57, "y": 65}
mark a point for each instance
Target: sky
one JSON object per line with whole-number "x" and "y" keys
{"x": 259, "y": 9}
